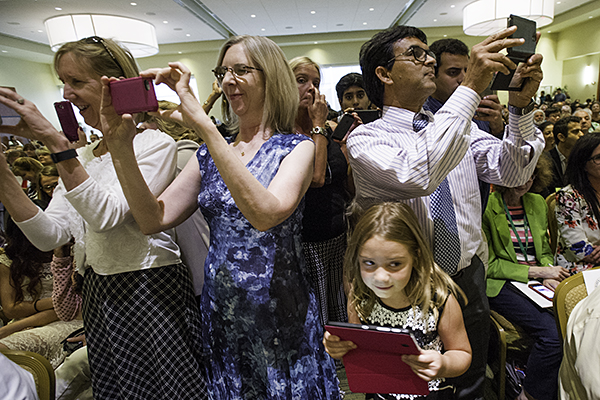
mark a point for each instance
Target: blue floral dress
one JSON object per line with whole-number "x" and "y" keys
{"x": 261, "y": 327}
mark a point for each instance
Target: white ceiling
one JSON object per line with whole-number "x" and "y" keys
{"x": 23, "y": 20}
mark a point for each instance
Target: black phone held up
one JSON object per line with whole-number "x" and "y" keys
{"x": 343, "y": 126}
{"x": 68, "y": 122}
{"x": 526, "y": 29}
{"x": 367, "y": 116}
{"x": 347, "y": 120}
{"x": 133, "y": 95}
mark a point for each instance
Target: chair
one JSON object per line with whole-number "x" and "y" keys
{"x": 501, "y": 374}
{"x": 512, "y": 341}
{"x": 40, "y": 368}
{"x": 566, "y": 296}
{"x": 552, "y": 222}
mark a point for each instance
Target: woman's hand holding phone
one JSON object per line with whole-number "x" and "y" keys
{"x": 118, "y": 130}
{"x": 33, "y": 125}
{"x": 177, "y": 77}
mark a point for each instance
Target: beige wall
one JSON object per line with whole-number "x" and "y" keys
{"x": 579, "y": 47}
{"x": 34, "y": 81}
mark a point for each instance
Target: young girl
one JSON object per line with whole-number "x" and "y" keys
{"x": 396, "y": 283}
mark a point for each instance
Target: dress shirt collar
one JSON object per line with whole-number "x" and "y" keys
{"x": 401, "y": 117}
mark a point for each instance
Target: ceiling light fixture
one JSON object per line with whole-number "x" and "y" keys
{"x": 313, "y": 12}
{"x": 253, "y": 16}
{"x": 371, "y": 9}
{"x": 138, "y": 36}
{"x": 485, "y": 17}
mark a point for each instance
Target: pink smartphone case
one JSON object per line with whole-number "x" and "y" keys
{"x": 68, "y": 122}
{"x": 376, "y": 366}
{"x": 133, "y": 95}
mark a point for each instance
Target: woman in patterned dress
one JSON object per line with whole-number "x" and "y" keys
{"x": 578, "y": 207}
{"x": 261, "y": 330}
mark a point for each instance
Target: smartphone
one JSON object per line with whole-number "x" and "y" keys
{"x": 133, "y": 95}
{"x": 343, "y": 126}
{"x": 8, "y": 116}
{"x": 542, "y": 290}
{"x": 526, "y": 29}
{"x": 367, "y": 116}
{"x": 67, "y": 119}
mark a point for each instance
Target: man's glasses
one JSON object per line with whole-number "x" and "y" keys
{"x": 99, "y": 40}
{"x": 238, "y": 70}
{"x": 595, "y": 159}
{"x": 419, "y": 53}
{"x": 50, "y": 186}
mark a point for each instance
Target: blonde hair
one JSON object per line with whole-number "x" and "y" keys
{"x": 428, "y": 286}
{"x": 281, "y": 92}
{"x": 26, "y": 164}
{"x": 298, "y": 62}
{"x": 42, "y": 151}
{"x": 94, "y": 56}
{"x": 175, "y": 130}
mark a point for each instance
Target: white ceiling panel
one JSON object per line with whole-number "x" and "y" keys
{"x": 24, "y": 19}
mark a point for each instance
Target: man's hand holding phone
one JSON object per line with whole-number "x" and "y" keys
{"x": 490, "y": 110}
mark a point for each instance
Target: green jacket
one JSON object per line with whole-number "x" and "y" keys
{"x": 503, "y": 264}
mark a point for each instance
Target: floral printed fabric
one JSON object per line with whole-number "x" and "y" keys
{"x": 261, "y": 327}
{"x": 578, "y": 231}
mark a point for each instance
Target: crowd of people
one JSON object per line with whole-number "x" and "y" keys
{"x": 204, "y": 261}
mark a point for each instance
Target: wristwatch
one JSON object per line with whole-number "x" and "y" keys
{"x": 321, "y": 131}
{"x": 63, "y": 155}
{"x": 522, "y": 111}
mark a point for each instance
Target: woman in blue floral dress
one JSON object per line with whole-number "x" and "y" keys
{"x": 261, "y": 329}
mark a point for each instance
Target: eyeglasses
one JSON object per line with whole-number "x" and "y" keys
{"x": 50, "y": 186}
{"x": 238, "y": 70}
{"x": 595, "y": 159}
{"x": 419, "y": 53}
{"x": 99, "y": 40}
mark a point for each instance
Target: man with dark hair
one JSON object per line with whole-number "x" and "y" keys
{"x": 433, "y": 163}
{"x": 452, "y": 58}
{"x": 351, "y": 93}
{"x": 552, "y": 114}
{"x": 566, "y": 132}
{"x": 559, "y": 96}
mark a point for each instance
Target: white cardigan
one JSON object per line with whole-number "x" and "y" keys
{"x": 96, "y": 212}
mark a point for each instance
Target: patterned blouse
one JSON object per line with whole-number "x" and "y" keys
{"x": 578, "y": 231}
